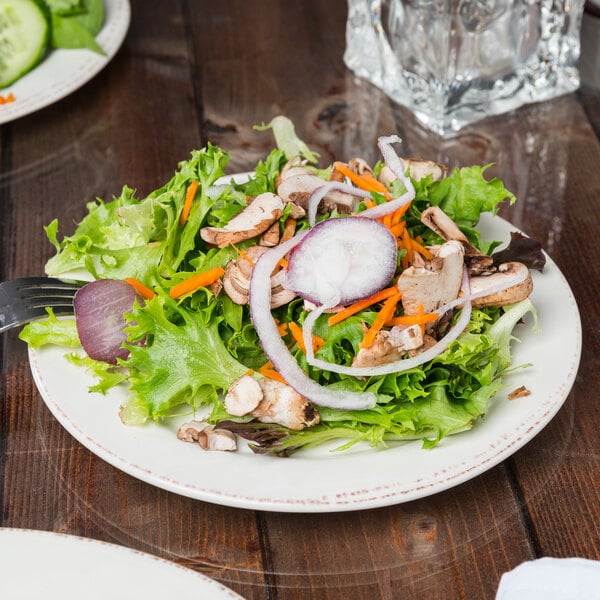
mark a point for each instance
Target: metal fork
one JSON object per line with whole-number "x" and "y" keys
{"x": 23, "y": 300}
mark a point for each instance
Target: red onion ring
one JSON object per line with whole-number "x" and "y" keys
{"x": 275, "y": 348}
{"x": 514, "y": 279}
{"x": 394, "y": 162}
{"x": 319, "y": 193}
{"x": 404, "y": 363}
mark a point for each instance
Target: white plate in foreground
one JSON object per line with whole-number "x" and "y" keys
{"x": 64, "y": 71}
{"x": 322, "y": 481}
{"x": 42, "y": 564}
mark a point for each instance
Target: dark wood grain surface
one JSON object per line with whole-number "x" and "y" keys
{"x": 192, "y": 72}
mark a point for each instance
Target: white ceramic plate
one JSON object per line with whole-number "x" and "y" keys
{"x": 64, "y": 71}
{"x": 318, "y": 480}
{"x": 41, "y": 564}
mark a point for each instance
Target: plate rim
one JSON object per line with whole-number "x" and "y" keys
{"x": 76, "y": 541}
{"x": 88, "y": 65}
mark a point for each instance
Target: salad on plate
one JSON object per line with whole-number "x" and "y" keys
{"x": 297, "y": 306}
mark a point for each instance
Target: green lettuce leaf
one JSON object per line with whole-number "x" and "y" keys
{"x": 179, "y": 362}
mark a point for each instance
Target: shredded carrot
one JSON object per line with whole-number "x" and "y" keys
{"x": 359, "y": 305}
{"x": 418, "y": 319}
{"x": 140, "y": 288}
{"x": 196, "y": 281}
{"x": 281, "y": 327}
{"x": 7, "y": 99}
{"x": 364, "y": 182}
{"x": 383, "y": 316}
{"x": 421, "y": 249}
{"x": 267, "y": 370}
{"x": 397, "y": 229}
{"x": 243, "y": 254}
{"x": 296, "y": 331}
{"x": 283, "y": 263}
{"x": 398, "y": 214}
{"x": 190, "y": 194}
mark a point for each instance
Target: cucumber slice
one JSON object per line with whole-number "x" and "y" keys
{"x": 24, "y": 37}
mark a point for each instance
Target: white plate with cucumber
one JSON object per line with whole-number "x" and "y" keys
{"x": 50, "y": 48}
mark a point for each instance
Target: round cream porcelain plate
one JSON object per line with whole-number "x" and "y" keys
{"x": 320, "y": 480}
{"x": 64, "y": 71}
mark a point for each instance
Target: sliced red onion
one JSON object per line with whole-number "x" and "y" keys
{"x": 508, "y": 282}
{"x": 319, "y": 193}
{"x": 394, "y": 162}
{"x": 389, "y": 207}
{"x": 399, "y": 365}
{"x": 342, "y": 260}
{"x": 99, "y": 309}
{"x": 275, "y": 348}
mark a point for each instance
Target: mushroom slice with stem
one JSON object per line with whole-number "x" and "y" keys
{"x": 207, "y": 436}
{"x": 297, "y": 183}
{"x": 255, "y": 219}
{"x": 427, "y": 288}
{"x": 510, "y": 295}
{"x": 438, "y": 221}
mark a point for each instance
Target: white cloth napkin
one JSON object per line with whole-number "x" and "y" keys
{"x": 552, "y": 579}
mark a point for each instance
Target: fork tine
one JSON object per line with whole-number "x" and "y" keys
{"x": 26, "y": 299}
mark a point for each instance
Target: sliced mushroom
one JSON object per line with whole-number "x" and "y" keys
{"x": 417, "y": 169}
{"x": 235, "y": 284}
{"x": 298, "y": 183}
{"x": 295, "y": 166}
{"x": 256, "y": 218}
{"x": 511, "y": 295}
{"x": 270, "y": 401}
{"x": 389, "y": 346}
{"x": 236, "y": 279}
{"x": 439, "y": 222}
{"x": 360, "y": 166}
{"x": 298, "y": 187}
{"x": 207, "y": 436}
{"x": 435, "y": 284}
{"x": 283, "y": 405}
{"x": 271, "y": 236}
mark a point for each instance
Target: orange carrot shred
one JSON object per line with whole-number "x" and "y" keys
{"x": 267, "y": 370}
{"x": 365, "y": 182}
{"x": 190, "y": 194}
{"x": 359, "y": 305}
{"x": 140, "y": 288}
{"x": 282, "y": 328}
{"x": 384, "y": 315}
{"x": 196, "y": 281}
{"x": 296, "y": 332}
{"x": 418, "y": 319}
{"x": 243, "y": 254}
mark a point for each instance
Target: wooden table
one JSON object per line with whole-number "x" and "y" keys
{"x": 190, "y": 72}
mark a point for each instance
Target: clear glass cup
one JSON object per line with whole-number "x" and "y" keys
{"x": 453, "y": 62}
